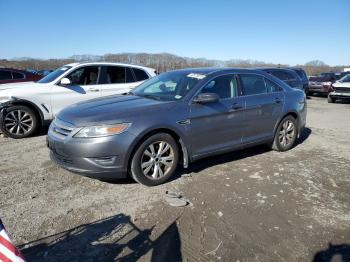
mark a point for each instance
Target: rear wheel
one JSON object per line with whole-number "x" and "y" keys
{"x": 286, "y": 134}
{"x": 155, "y": 160}
{"x": 330, "y": 99}
{"x": 19, "y": 122}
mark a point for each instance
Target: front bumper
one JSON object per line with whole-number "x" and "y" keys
{"x": 340, "y": 94}
{"x": 101, "y": 158}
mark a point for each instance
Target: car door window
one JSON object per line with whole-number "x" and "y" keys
{"x": 5, "y": 75}
{"x": 271, "y": 86}
{"x": 140, "y": 74}
{"x": 16, "y": 75}
{"x": 129, "y": 78}
{"x": 115, "y": 75}
{"x": 253, "y": 84}
{"x": 224, "y": 86}
{"x": 281, "y": 75}
{"x": 84, "y": 76}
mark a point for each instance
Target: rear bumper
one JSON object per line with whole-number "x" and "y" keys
{"x": 320, "y": 89}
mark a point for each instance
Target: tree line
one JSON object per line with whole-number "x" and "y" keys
{"x": 161, "y": 62}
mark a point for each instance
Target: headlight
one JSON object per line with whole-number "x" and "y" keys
{"x": 326, "y": 83}
{"x": 100, "y": 131}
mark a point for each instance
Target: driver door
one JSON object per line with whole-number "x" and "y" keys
{"x": 84, "y": 86}
{"x": 217, "y": 126}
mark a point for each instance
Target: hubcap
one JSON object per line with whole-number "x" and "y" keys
{"x": 287, "y": 133}
{"x": 18, "y": 122}
{"x": 157, "y": 160}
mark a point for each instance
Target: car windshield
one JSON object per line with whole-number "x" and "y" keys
{"x": 168, "y": 86}
{"x": 53, "y": 75}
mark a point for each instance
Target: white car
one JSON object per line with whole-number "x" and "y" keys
{"x": 341, "y": 89}
{"x": 24, "y": 107}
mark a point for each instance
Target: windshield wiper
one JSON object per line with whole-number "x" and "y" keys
{"x": 151, "y": 97}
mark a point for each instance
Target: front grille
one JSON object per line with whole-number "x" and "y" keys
{"x": 61, "y": 128}
{"x": 342, "y": 89}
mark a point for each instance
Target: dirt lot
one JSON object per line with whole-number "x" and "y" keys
{"x": 252, "y": 205}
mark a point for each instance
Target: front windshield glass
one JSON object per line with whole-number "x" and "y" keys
{"x": 53, "y": 75}
{"x": 168, "y": 86}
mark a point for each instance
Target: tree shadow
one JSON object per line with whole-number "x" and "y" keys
{"x": 114, "y": 238}
{"x": 339, "y": 253}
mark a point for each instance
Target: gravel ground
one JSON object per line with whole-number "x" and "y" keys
{"x": 251, "y": 205}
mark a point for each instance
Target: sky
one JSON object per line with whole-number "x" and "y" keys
{"x": 278, "y": 31}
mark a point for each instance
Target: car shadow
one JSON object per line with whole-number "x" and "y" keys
{"x": 207, "y": 162}
{"x": 339, "y": 253}
{"x": 114, "y": 238}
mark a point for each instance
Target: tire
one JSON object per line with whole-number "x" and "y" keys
{"x": 284, "y": 139}
{"x": 154, "y": 172}
{"x": 330, "y": 99}
{"x": 19, "y": 122}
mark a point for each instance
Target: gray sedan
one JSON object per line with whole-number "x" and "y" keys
{"x": 176, "y": 117}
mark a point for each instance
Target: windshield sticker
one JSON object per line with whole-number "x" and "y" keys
{"x": 64, "y": 68}
{"x": 178, "y": 97}
{"x": 197, "y": 76}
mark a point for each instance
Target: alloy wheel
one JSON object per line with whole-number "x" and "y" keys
{"x": 18, "y": 122}
{"x": 287, "y": 133}
{"x": 157, "y": 160}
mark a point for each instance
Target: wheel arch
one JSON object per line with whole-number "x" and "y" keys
{"x": 183, "y": 150}
{"x": 290, "y": 113}
{"x": 32, "y": 106}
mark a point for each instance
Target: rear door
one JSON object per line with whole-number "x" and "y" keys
{"x": 217, "y": 126}
{"x": 117, "y": 80}
{"x": 84, "y": 86}
{"x": 263, "y": 106}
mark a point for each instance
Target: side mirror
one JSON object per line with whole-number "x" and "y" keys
{"x": 65, "y": 82}
{"x": 206, "y": 98}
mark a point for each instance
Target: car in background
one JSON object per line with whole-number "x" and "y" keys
{"x": 176, "y": 117}
{"x": 303, "y": 76}
{"x": 26, "y": 107}
{"x": 334, "y": 76}
{"x": 44, "y": 72}
{"x": 320, "y": 85}
{"x": 288, "y": 76}
{"x": 10, "y": 75}
{"x": 341, "y": 89}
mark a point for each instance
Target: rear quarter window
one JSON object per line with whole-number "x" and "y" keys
{"x": 140, "y": 74}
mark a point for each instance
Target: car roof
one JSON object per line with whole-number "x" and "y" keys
{"x": 107, "y": 63}
{"x": 212, "y": 70}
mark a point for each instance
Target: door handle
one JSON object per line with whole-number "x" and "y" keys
{"x": 235, "y": 107}
{"x": 93, "y": 90}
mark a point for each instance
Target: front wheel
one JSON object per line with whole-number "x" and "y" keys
{"x": 19, "y": 122}
{"x": 155, "y": 160}
{"x": 286, "y": 134}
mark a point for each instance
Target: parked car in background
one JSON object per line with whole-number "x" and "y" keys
{"x": 288, "y": 76}
{"x": 334, "y": 76}
{"x": 341, "y": 89}
{"x": 177, "y": 116}
{"x": 303, "y": 76}
{"x": 320, "y": 85}
{"x": 26, "y": 107}
{"x": 10, "y": 75}
{"x": 44, "y": 72}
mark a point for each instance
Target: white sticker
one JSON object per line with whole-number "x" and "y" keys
{"x": 178, "y": 97}
{"x": 64, "y": 68}
{"x": 197, "y": 76}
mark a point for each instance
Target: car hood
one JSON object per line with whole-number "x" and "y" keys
{"x": 111, "y": 110}
{"x": 18, "y": 85}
